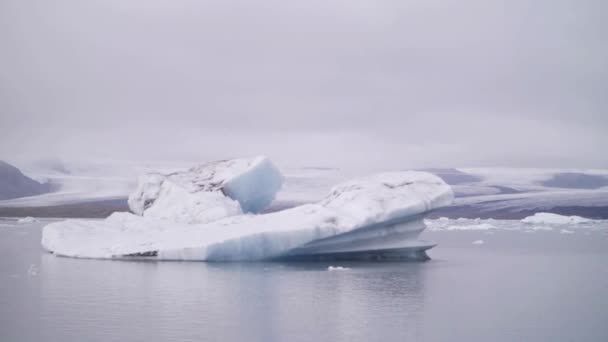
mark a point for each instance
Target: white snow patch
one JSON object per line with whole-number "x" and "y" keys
{"x": 478, "y": 242}
{"x": 566, "y": 231}
{"x": 174, "y": 203}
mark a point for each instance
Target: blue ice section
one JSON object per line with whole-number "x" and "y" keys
{"x": 255, "y": 190}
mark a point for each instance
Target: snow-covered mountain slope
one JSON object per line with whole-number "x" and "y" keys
{"x": 378, "y": 213}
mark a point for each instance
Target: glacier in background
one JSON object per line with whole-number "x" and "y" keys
{"x": 97, "y": 188}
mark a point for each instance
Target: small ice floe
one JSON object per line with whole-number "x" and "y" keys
{"x": 566, "y": 231}
{"x": 28, "y": 219}
{"x": 480, "y": 226}
{"x": 32, "y": 271}
{"x": 542, "y": 228}
{"x": 337, "y": 268}
{"x": 478, "y": 242}
{"x": 550, "y": 218}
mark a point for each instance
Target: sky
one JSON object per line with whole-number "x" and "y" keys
{"x": 397, "y": 84}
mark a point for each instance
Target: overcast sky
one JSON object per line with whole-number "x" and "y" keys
{"x": 344, "y": 83}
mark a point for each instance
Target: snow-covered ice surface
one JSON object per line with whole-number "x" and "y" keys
{"x": 337, "y": 268}
{"x": 208, "y": 192}
{"x": 550, "y": 218}
{"x": 535, "y": 223}
{"x": 28, "y": 219}
{"x": 380, "y": 212}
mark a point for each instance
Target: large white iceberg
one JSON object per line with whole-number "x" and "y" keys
{"x": 379, "y": 216}
{"x": 208, "y": 192}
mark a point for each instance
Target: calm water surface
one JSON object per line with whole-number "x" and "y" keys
{"x": 517, "y": 286}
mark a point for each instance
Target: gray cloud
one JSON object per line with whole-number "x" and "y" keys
{"x": 394, "y": 83}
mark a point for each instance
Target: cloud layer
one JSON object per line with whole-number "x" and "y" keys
{"x": 395, "y": 83}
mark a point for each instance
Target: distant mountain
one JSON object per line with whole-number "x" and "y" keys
{"x": 14, "y": 184}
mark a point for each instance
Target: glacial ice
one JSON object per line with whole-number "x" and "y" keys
{"x": 27, "y": 219}
{"x": 479, "y": 226}
{"x": 383, "y": 212}
{"x": 496, "y": 226}
{"x": 337, "y": 268}
{"x": 550, "y": 218}
{"x": 208, "y": 192}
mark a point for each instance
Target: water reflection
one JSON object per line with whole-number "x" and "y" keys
{"x": 515, "y": 287}
{"x": 268, "y": 301}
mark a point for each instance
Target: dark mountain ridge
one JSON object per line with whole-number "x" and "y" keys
{"x": 14, "y": 184}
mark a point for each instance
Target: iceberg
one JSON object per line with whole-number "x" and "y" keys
{"x": 375, "y": 217}
{"x": 481, "y": 226}
{"x": 489, "y": 226}
{"x": 337, "y": 268}
{"x": 550, "y": 218}
{"x": 27, "y": 219}
{"x": 208, "y": 192}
